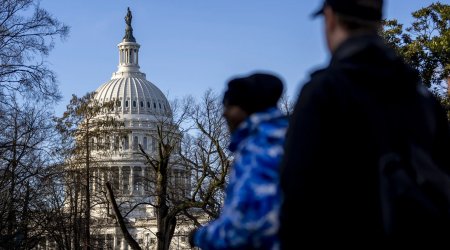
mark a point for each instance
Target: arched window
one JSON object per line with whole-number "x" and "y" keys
{"x": 126, "y": 103}
{"x": 134, "y": 104}
{"x": 148, "y": 104}
{"x": 142, "y": 104}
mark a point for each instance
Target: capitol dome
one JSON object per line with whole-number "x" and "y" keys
{"x": 132, "y": 93}
{"x": 116, "y": 156}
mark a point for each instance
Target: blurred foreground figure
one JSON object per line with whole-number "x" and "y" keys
{"x": 249, "y": 217}
{"x": 367, "y": 150}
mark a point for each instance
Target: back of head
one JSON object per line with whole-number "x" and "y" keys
{"x": 356, "y": 15}
{"x": 254, "y": 93}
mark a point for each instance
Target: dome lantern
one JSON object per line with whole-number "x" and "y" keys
{"x": 128, "y": 51}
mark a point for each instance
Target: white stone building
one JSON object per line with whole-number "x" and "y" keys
{"x": 142, "y": 106}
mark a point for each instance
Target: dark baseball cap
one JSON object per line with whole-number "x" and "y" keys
{"x": 370, "y": 10}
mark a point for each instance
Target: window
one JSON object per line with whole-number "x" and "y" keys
{"x": 159, "y": 105}
{"x": 142, "y": 104}
{"x": 118, "y": 103}
{"x": 153, "y": 144}
{"x": 107, "y": 143}
{"x": 154, "y": 105}
{"x": 99, "y": 143}
{"x": 125, "y": 179}
{"x": 148, "y": 104}
{"x": 135, "y": 143}
{"x": 146, "y": 179}
{"x": 126, "y": 103}
{"x": 145, "y": 143}
{"x": 125, "y": 142}
{"x": 116, "y": 143}
{"x": 109, "y": 241}
{"x": 115, "y": 178}
{"x": 137, "y": 179}
{"x": 134, "y": 104}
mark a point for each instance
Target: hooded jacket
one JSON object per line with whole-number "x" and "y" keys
{"x": 249, "y": 217}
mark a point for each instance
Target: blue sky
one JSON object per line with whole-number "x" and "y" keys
{"x": 188, "y": 46}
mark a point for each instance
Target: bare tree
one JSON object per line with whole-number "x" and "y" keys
{"x": 26, "y": 160}
{"x": 206, "y": 153}
{"x": 190, "y": 166}
{"x": 83, "y": 126}
{"x": 27, "y": 34}
{"x": 27, "y": 133}
{"x": 167, "y": 193}
{"x": 287, "y": 105}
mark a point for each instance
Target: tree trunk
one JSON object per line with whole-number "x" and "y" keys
{"x": 76, "y": 214}
{"x": 170, "y": 223}
{"x": 119, "y": 218}
{"x": 11, "y": 209}
{"x": 87, "y": 244}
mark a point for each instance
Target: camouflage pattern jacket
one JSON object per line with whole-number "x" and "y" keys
{"x": 249, "y": 217}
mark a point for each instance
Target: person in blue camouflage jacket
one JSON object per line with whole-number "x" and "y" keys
{"x": 249, "y": 217}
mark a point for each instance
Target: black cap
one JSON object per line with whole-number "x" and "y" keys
{"x": 254, "y": 93}
{"x": 370, "y": 10}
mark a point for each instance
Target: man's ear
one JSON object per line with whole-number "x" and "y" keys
{"x": 330, "y": 19}
{"x": 331, "y": 26}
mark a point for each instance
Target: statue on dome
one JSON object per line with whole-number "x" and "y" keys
{"x": 128, "y": 17}
{"x": 129, "y": 30}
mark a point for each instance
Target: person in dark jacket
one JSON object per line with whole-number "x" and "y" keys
{"x": 249, "y": 217}
{"x": 365, "y": 98}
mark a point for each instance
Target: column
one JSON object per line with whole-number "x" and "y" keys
{"x": 131, "y": 179}
{"x": 137, "y": 62}
{"x": 143, "y": 180}
{"x": 92, "y": 184}
{"x": 120, "y": 179}
{"x": 122, "y": 244}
